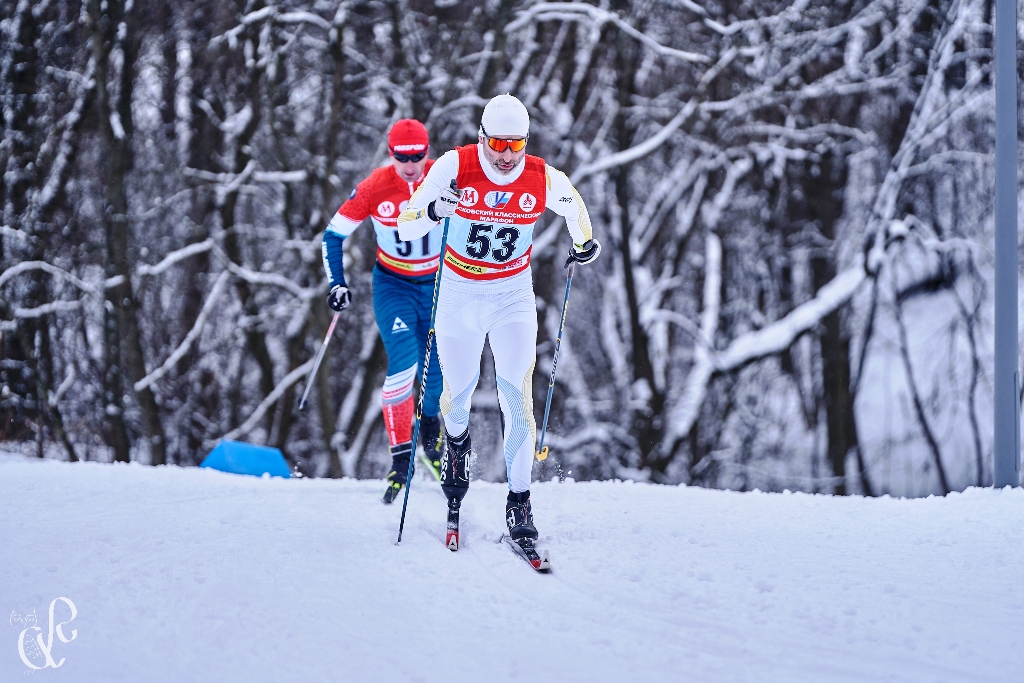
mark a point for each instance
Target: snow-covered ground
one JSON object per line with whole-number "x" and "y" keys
{"x": 188, "y": 574}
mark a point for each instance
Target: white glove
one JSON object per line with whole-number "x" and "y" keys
{"x": 446, "y": 203}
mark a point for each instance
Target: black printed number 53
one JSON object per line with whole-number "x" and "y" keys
{"x": 479, "y": 243}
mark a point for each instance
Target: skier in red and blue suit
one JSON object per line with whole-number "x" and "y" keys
{"x": 403, "y": 289}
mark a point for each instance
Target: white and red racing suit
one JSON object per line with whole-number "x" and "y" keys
{"x": 487, "y": 286}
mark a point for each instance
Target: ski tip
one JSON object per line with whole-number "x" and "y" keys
{"x": 542, "y": 563}
{"x": 545, "y": 563}
{"x": 526, "y": 551}
{"x": 453, "y": 542}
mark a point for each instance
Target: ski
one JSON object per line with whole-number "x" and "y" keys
{"x": 451, "y": 539}
{"x": 525, "y": 549}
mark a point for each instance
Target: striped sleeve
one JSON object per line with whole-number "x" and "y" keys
{"x": 354, "y": 211}
{"x": 564, "y": 200}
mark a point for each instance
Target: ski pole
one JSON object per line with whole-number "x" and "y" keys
{"x": 319, "y": 359}
{"x": 542, "y": 450}
{"x": 423, "y": 379}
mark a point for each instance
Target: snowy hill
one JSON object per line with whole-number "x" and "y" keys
{"x": 187, "y": 574}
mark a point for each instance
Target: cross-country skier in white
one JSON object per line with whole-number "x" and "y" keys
{"x": 487, "y": 288}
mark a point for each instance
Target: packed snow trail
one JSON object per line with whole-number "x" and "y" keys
{"x": 189, "y": 574}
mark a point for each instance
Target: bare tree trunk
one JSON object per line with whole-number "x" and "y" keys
{"x": 869, "y": 331}
{"x": 496, "y": 61}
{"x": 336, "y": 102}
{"x": 915, "y": 395}
{"x": 115, "y": 430}
{"x": 116, "y": 134}
{"x": 970, "y": 319}
{"x": 255, "y": 336}
{"x": 285, "y": 413}
{"x": 646, "y": 420}
{"x": 842, "y": 436}
{"x": 834, "y": 342}
{"x": 49, "y": 411}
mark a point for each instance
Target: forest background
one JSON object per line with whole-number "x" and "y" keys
{"x": 795, "y": 200}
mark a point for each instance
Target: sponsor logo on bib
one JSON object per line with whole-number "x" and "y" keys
{"x": 386, "y": 209}
{"x": 497, "y": 200}
{"x": 527, "y": 202}
{"x": 469, "y": 197}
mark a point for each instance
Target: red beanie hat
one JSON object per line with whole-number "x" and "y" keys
{"x": 408, "y": 136}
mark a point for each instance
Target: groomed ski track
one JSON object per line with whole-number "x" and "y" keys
{"x": 188, "y": 574}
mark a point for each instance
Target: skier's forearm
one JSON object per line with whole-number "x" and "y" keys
{"x": 564, "y": 200}
{"x": 333, "y": 254}
{"x": 579, "y": 223}
{"x": 415, "y": 222}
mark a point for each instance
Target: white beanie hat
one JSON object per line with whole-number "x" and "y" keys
{"x": 505, "y": 117}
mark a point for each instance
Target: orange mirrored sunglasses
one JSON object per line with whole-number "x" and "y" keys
{"x": 500, "y": 145}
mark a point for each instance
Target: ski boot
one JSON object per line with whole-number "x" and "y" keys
{"x": 521, "y": 531}
{"x": 519, "y": 516}
{"x": 430, "y": 437}
{"x": 399, "y": 471}
{"x": 455, "y": 481}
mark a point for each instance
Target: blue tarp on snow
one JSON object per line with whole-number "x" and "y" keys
{"x": 239, "y": 457}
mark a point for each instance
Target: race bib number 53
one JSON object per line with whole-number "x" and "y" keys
{"x": 479, "y": 244}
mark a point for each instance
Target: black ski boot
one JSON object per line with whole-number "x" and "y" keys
{"x": 430, "y": 437}
{"x": 519, "y": 516}
{"x": 399, "y": 471}
{"x": 455, "y": 481}
{"x": 455, "y": 465}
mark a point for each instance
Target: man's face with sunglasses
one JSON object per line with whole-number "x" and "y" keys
{"x": 409, "y": 166}
{"x": 504, "y": 154}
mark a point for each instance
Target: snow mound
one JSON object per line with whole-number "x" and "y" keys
{"x": 198, "y": 575}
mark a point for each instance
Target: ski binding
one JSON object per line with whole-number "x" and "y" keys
{"x": 525, "y": 549}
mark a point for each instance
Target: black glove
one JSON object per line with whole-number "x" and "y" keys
{"x": 339, "y": 298}
{"x": 585, "y": 253}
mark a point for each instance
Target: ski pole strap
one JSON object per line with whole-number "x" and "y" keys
{"x": 542, "y": 450}
{"x": 319, "y": 359}
{"x": 423, "y": 381}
